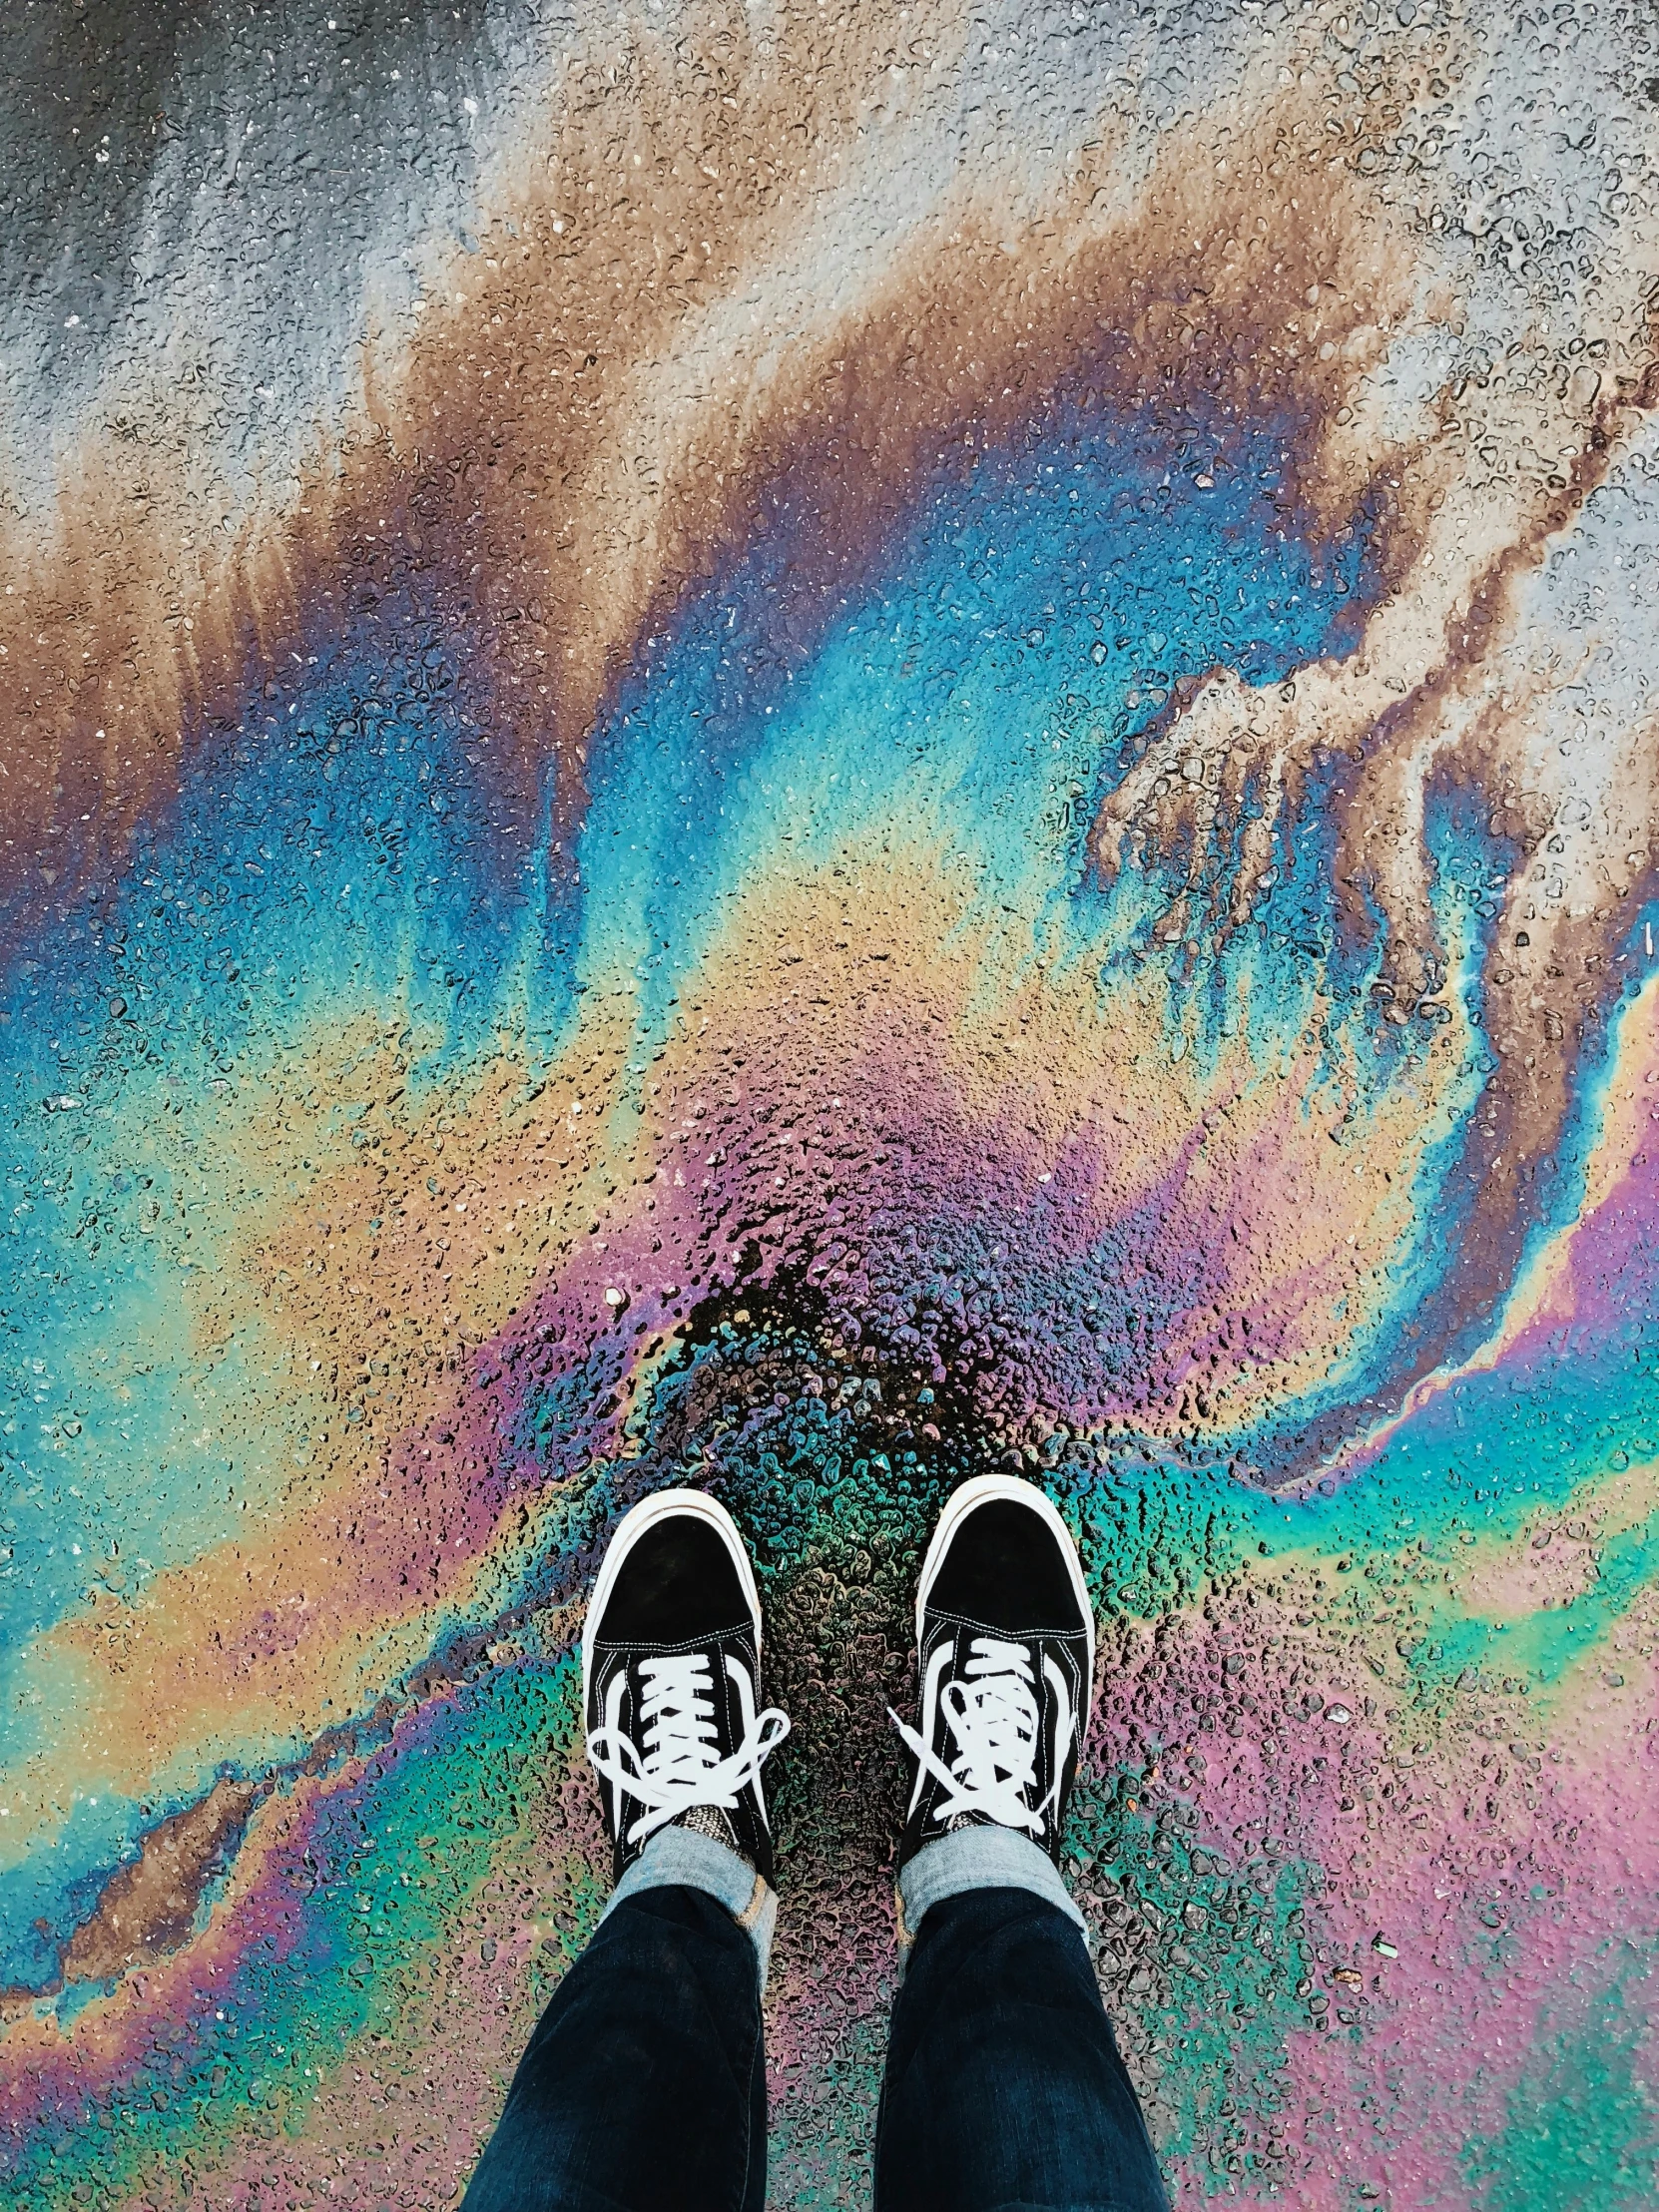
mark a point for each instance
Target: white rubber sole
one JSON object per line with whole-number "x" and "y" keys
{"x": 984, "y": 1489}
{"x": 662, "y": 1505}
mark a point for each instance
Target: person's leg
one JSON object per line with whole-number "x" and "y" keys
{"x": 644, "y": 2084}
{"x": 1004, "y": 2089}
{"x": 643, "y": 2088}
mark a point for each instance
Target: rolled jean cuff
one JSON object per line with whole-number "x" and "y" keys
{"x": 984, "y": 1858}
{"x": 679, "y": 1857}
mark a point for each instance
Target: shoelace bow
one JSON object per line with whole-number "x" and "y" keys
{"x": 677, "y": 1764}
{"x": 992, "y": 1713}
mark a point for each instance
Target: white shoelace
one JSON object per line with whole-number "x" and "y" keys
{"x": 992, "y": 1713}
{"x": 677, "y": 1762}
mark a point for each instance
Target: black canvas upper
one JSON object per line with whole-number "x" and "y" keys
{"x": 1002, "y": 1634}
{"x": 677, "y": 1595}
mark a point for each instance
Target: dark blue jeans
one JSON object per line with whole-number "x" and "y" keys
{"x": 643, "y": 2088}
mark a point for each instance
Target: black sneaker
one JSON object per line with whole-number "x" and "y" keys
{"x": 671, "y": 1681}
{"x": 1006, "y": 1645}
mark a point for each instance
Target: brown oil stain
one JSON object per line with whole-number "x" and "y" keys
{"x": 147, "y": 1908}
{"x": 612, "y": 410}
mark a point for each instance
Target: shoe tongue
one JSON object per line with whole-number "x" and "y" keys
{"x": 711, "y": 1820}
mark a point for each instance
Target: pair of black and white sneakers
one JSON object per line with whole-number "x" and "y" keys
{"x": 671, "y": 1665}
